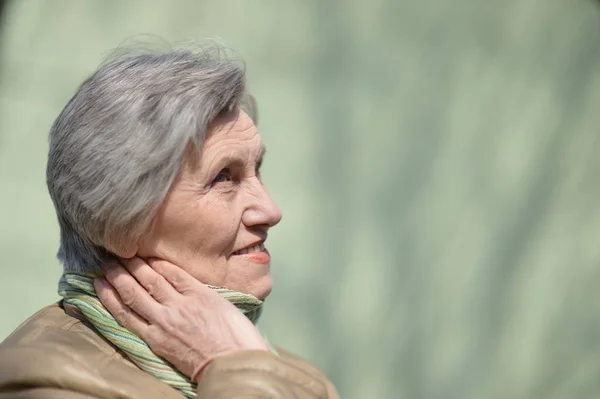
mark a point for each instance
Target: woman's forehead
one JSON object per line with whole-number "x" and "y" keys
{"x": 240, "y": 149}
{"x": 236, "y": 120}
{"x": 239, "y": 132}
{"x": 233, "y": 138}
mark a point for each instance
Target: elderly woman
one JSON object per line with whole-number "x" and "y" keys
{"x": 154, "y": 170}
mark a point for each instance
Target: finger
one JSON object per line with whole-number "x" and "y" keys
{"x": 121, "y": 312}
{"x": 176, "y": 276}
{"x": 153, "y": 282}
{"x": 131, "y": 293}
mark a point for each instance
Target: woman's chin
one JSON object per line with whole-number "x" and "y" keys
{"x": 261, "y": 288}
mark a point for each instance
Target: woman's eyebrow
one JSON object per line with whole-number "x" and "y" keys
{"x": 238, "y": 161}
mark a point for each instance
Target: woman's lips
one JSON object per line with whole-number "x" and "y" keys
{"x": 255, "y": 253}
{"x": 261, "y": 257}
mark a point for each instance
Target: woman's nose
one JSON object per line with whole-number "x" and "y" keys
{"x": 261, "y": 209}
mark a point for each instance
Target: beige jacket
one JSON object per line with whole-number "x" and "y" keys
{"x": 55, "y": 355}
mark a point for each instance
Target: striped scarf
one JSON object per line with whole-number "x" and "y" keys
{"x": 78, "y": 290}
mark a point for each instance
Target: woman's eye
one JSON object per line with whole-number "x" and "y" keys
{"x": 223, "y": 176}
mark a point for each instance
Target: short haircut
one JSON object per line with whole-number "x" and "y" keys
{"x": 120, "y": 142}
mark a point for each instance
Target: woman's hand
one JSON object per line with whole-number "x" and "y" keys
{"x": 181, "y": 319}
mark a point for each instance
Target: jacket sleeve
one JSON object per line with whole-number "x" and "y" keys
{"x": 260, "y": 375}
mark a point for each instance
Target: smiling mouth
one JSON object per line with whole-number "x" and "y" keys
{"x": 253, "y": 249}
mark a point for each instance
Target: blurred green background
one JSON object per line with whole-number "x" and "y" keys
{"x": 436, "y": 162}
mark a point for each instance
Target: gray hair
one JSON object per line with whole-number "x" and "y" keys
{"x": 120, "y": 142}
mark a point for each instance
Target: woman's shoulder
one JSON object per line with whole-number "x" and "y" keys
{"x": 52, "y": 328}
{"x": 54, "y": 350}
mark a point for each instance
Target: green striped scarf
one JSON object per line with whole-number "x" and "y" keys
{"x": 78, "y": 290}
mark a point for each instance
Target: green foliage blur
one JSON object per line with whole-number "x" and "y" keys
{"x": 436, "y": 163}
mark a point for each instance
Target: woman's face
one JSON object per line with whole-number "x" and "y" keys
{"x": 215, "y": 218}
